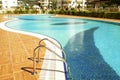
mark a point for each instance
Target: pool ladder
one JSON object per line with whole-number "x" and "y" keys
{"x": 69, "y": 77}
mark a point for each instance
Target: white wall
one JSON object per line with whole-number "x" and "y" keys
{"x": 9, "y": 3}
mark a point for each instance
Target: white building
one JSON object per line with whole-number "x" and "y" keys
{"x": 7, "y": 4}
{"x": 66, "y": 3}
{"x": 45, "y": 3}
{"x": 75, "y": 3}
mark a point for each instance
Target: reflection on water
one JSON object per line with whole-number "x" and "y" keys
{"x": 69, "y": 23}
{"x": 85, "y": 60}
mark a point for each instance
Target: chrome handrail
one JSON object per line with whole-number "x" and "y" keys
{"x": 63, "y": 59}
{"x": 55, "y": 45}
{"x": 34, "y": 57}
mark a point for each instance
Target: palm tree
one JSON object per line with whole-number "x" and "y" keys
{"x": 54, "y": 4}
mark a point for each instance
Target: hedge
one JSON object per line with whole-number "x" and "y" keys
{"x": 112, "y": 15}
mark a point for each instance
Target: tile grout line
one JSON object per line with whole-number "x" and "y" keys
{"x": 22, "y": 43}
{"x": 10, "y": 54}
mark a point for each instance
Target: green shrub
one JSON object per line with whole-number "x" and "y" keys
{"x": 51, "y": 12}
{"x": 112, "y": 15}
{"x": 9, "y": 12}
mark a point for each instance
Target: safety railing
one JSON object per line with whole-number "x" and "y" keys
{"x": 62, "y": 58}
{"x": 53, "y": 44}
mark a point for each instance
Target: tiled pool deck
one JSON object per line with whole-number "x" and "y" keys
{"x": 16, "y": 48}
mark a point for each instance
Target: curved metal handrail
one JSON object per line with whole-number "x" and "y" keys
{"x": 34, "y": 58}
{"x": 55, "y": 45}
{"x": 63, "y": 59}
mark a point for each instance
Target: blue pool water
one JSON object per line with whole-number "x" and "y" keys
{"x": 92, "y": 47}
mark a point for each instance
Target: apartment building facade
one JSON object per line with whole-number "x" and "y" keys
{"x": 76, "y": 3}
{"x": 7, "y": 4}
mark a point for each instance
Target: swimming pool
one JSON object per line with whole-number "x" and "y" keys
{"x": 92, "y": 46}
